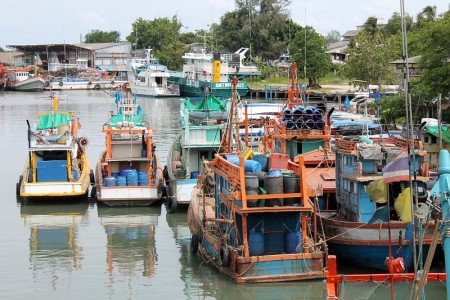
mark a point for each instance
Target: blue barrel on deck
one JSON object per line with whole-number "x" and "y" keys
{"x": 194, "y": 174}
{"x": 115, "y": 174}
{"x": 293, "y": 242}
{"x": 142, "y": 179}
{"x": 249, "y": 164}
{"x": 132, "y": 178}
{"x": 110, "y": 181}
{"x": 125, "y": 171}
{"x": 256, "y": 243}
{"x": 121, "y": 181}
{"x": 263, "y": 160}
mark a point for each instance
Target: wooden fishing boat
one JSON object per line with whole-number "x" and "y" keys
{"x": 57, "y": 165}
{"x": 128, "y": 171}
{"x": 246, "y": 237}
{"x": 203, "y": 121}
{"x": 254, "y": 232}
{"x": 365, "y": 225}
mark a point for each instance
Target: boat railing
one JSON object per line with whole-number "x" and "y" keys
{"x": 236, "y": 176}
{"x": 350, "y": 147}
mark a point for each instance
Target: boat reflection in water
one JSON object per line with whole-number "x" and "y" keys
{"x": 54, "y": 244}
{"x": 130, "y": 235}
{"x": 202, "y": 281}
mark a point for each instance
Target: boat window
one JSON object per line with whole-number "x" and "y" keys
{"x": 142, "y": 79}
{"x": 433, "y": 140}
{"x": 426, "y": 140}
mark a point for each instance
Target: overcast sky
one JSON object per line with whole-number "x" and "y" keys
{"x": 55, "y": 21}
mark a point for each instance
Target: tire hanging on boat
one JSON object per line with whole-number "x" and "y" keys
{"x": 60, "y": 83}
{"x": 224, "y": 256}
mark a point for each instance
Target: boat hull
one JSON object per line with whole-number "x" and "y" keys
{"x": 155, "y": 92}
{"x": 252, "y": 269}
{"x": 195, "y": 88}
{"x": 56, "y": 189}
{"x": 30, "y": 85}
{"x": 367, "y": 245}
{"x": 85, "y": 85}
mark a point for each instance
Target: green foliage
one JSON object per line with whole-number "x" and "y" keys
{"x": 318, "y": 63}
{"x": 98, "y": 36}
{"x": 435, "y": 54}
{"x": 370, "y": 26}
{"x": 394, "y": 24}
{"x": 333, "y": 36}
{"x": 392, "y": 109}
{"x": 155, "y": 33}
{"x": 2, "y": 50}
{"x": 370, "y": 57}
{"x": 262, "y": 25}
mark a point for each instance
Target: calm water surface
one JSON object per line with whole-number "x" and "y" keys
{"x": 86, "y": 250}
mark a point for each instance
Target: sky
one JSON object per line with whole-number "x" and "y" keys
{"x": 29, "y": 22}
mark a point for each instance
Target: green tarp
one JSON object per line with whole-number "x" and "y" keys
{"x": 209, "y": 102}
{"x": 53, "y": 120}
{"x": 120, "y": 118}
{"x": 435, "y": 131}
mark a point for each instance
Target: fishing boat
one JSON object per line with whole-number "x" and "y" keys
{"x": 83, "y": 83}
{"x": 374, "y": 210}
{"x": 205, "y": 73}
{"x": 128, "y": 171}
{"x": 253, "y": 231}
{"x": 21, "y": 80}
{"x": 203, "y": 121}
{"x": 57, "y": 166}
{"x": 150, "y": 78}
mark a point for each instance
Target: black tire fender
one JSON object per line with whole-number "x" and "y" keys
{"x": 112, "y": 82}
{"x": 224, "y": 255}
{"x": 60, "y": 83}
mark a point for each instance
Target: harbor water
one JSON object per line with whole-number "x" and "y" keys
{"x": 83, "y": 250}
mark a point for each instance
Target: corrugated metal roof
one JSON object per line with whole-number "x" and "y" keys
{"x": 97, "y": 46}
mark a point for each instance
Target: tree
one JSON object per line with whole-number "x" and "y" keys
{"x": 333, "y": 36}
{"x": 370, "y": 26}
{"x": 318, "y": 62}
{"x": 155, "y": 33}
{"x": 369, "y": 58}
{"x": 98, "y": 36}
{"x": 426, "y": 15}
{"x": 394, "y": 24}
{"x": 435, "y": 54}
{"x": 262, "y": 25}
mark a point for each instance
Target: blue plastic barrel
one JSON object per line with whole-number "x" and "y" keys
{"x": 194, "y": 174}
{"x": 263, "y": 160}
{"x": 289, "y": 124}
{"x": 256, "y": 243}
{"x": 318, "y": 114}
{"x": 293, "y": 242}
{"x": 132, "y": 178}
{"x": 142, "y": 179}
{"x": 251, "y": 165}
{"x": 110, "y": 181}
{"x": 287, "y": 114}
{"x": 115, "y": 174}
{"x": 310, "y": 124}
{"x": 320, "y": 124}
{"x": 274, "y": 172}
{"x": 121, "y": 181}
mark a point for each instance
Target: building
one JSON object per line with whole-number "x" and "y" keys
{"x": 11, "y": 58}
{"x": 54, "y": 57}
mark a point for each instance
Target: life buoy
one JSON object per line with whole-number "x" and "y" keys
{"x": 60, "y": 83}
{"x": 89, "y": 83}
{"x": 112, "y": 82}
{"x": 224, "y": 256}
{"x": 194, "y": 243}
